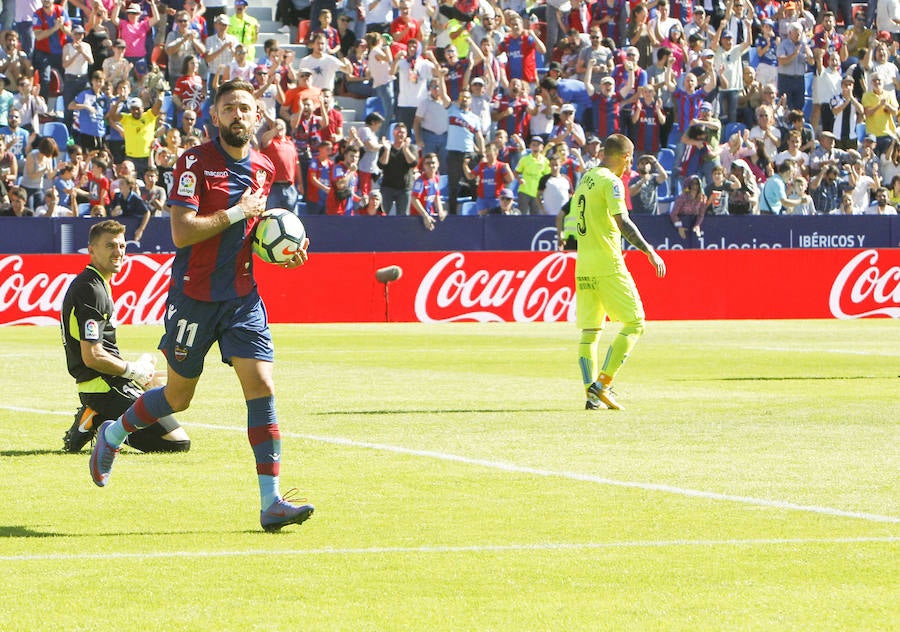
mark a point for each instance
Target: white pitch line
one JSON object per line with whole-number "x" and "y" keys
{"x": 575, "y": 476}
{"x": 485, "y": 548}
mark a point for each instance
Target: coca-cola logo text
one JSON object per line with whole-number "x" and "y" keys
{"x": 449, "y": 292}
{"x": 36, "y": 299}
{"x": 862, "y": 289}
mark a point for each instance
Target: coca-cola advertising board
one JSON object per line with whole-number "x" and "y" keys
{"x": 493, "y": 286}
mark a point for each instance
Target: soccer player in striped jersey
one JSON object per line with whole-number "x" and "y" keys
{"x": 219, "y": 193}
{"x": 492, "y": 177}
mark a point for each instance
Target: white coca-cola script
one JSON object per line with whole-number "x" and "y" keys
{"x": 865, "y": 289}
{"x": 450, "y": 291}
{"x": 39, "y": 298}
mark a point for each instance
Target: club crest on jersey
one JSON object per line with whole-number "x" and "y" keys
{"x": 187, "y": 184}
{"x": 181, "y": 354}
{"x": 92, "y": 330}
{"x": 261, "y": 178}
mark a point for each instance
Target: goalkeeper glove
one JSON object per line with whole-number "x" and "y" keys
{"x": 140, "y": 372}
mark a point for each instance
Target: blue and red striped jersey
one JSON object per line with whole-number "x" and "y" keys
{"x": 207, "y": 180}
{"x": 521, "y": 62}
{"x": 606, "y": 114}
{"x": 490, "y": 179}
{"x": 687, "y": 106}
{"x": 646, "y": 128}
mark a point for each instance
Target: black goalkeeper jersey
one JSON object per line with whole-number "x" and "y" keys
{"x": 87, "y": 314}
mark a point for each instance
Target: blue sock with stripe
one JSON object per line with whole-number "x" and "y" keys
{"x": 145, "y": 411}
{"x": 265, "y": 439}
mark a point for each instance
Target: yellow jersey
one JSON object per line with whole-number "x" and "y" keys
{"x": 600, "y": 196}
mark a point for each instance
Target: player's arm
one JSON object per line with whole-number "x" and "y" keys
{"x": 189, "y": 228}
{"x": 636, "y": 239}
{"x": 100, "y": 360}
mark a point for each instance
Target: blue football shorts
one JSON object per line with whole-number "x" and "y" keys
{"x": 239, "y": 325}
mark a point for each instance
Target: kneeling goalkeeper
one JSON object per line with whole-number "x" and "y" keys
{"x": 107, "y": 384}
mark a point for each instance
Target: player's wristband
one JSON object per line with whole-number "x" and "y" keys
{"x": 128, "y": 373}
{"x": 234, "y": 214}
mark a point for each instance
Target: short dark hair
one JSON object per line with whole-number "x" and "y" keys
{"x": 234, "y": 85}
{"x": 617, "y": 145}
{"x": 109, "y": 226}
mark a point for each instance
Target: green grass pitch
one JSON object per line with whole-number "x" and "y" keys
{"x": 751, "y": 484}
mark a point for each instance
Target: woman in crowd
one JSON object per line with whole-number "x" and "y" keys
{"x": 39, "y": 171}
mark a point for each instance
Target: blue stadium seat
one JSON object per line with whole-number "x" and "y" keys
{"x": 468, "y": 208}
{"x": 60, "y": 133}
{"x": 807, "y": 84}
{"x": 674, "y": 136}
{"x": 807, "y": 108}
{"x": 732, "y": 128}
{"x": 666, "y": 159}
{"x": 444, "y": 185}
{"x": 860, "y": 132}
{"x": 373, "y": 104}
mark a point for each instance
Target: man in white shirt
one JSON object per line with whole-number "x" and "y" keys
{"x": 219, "y": 50}
{"x": 323, "y": 66}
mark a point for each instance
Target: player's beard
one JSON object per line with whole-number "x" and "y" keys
{"x": 235, "y": 139}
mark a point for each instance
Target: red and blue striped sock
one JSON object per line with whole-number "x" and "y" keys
{"x": 265, "y": 439}
{"x": 144, "y": 412}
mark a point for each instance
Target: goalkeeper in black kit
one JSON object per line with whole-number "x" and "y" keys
{"x": 107, "y": 384}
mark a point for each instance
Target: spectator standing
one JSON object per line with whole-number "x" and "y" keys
{"x": 245, "y": 28}
{"x": 116, "y": 68}
{"x": 14, "y": 63}
{"x": 426, "y": 193}
{"x": 182, "y": 43}
{"x": 414, "y": 73}
{"x": 130, "y": 207}
{"x": 881, "y": 110}
{"x": 18, "y": 140}
{"x": 554, "y": 189}
{"x": 282, "y": 151}
{"x": 529, "y": 171}
{"x": 343, "y": 194}
{"x": 826, "y": 85}
{"x": 23, "y": 22}
{"x": 240, "y": 68}
{"x": 369, "y": 147}
{"x": 92, "y": 106}
{"x": 154, "y": 195}
{"x": 189, "y": 92}
{"x": 135, "y": 30}
{"x": 39, "y": 170}
{"x": 76, "y": 61}
{"x": 644, "y": 187}
{"x": 647, "y": 120}
{"x": 729, "y": 67}
{"x": 322, "y": 65}
{"x": 861, "y": 186}
{"x": 332, "y": 119}
{"x": 491, "y": 177}
{"x": 690, "y": 204}
{"x": 51, "y": 27}
{"x": 794, "y": 54}
{"x": 766, "y": 51}
{"x": 30, "y": 104}
{"x": 513, "y": 111}
{"x": 847, "y": 111}
{"x": 397, "y": 161}
{"x": 774, "y": 199}
{"x": 432, "y": 120}
{"x": 464, "y": 137}
{"x": 520, "y": 48}
{"x": 332, "y": 36}
{"x": 827, "y": 190}
{"x": 318, "y": 180}
{"x": 380, "y": 64}
{"x": 306, "y": 130}
{"x": 220, "y": 46}
{"x": 138, "y": 128}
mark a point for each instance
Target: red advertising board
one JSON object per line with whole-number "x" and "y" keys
{"x": 494, "y": 286}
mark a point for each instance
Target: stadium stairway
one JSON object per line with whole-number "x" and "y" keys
{"x": 269, "y": 28}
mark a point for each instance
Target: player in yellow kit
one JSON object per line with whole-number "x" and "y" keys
{"x": 603, "y": 285}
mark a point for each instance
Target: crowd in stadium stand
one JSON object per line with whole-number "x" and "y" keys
{"x": 459, "y": 107}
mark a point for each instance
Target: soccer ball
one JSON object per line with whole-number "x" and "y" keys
{"x": 278, "y": 236}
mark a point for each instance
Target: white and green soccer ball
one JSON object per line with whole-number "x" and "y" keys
{"x": 278, "y": 236}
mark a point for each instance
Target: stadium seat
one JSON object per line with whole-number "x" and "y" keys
{"x": 60, "y": 133}
{"x": 674, "y": 137}
{"x": 159, "y": 57}
{"x": 807, "y": 84}
{"x": 444, "y": 184}
{"x": 666, "y": 159}
{"x": 807, "y": 108}
{"x": 733, "y": 128}
{"x": 303, "y": 28}
{"x": 860, "y": 132}
{"x": 468, "y": 208}
{"x": 373, "y": 104}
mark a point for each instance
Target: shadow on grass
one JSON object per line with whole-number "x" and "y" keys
{"x": 25, "y": 532}
{"x": 31, "y": 452}
{"x": 435, "y": 411}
